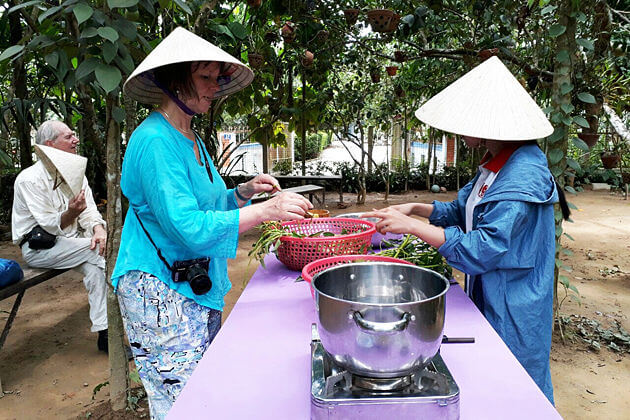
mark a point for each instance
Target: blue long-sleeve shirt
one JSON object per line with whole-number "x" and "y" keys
{"x": 511, "y": 251}
{"x": 186, "y": 215}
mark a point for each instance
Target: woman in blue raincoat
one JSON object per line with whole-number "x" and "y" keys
{"x": 500, "y": 229}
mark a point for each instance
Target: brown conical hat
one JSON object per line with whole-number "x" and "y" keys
{"x": 67, "y": 169}
{"x": 489, "y": 103}
{"x": 178, "y": 47}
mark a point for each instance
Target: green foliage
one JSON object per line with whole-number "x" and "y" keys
{"x": 314, "y": 144}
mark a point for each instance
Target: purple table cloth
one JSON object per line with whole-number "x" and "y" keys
{"x": 258, "y": 366}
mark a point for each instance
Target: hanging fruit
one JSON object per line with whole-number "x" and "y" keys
{"x": 392, "y": 70}
{"x": 254, "y": 3}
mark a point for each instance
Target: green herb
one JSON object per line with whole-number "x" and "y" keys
{"x": 419, "y": 253}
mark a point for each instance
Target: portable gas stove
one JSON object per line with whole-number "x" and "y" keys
{"x": 429, "y": 393}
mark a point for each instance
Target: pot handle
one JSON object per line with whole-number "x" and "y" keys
{"x": 382, "y": 327}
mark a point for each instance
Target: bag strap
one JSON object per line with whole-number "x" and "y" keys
{"x": 152, "y": 243}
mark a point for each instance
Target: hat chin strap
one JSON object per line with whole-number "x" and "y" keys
{"x": 171, "y": 95}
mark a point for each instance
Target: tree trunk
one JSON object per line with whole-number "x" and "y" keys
{"x": 558, "y": 141}
{"x": 303, "y": 124}
{"x": 20, "y": 93}
{"x": 362, "y": 189}
{"x": 118, "y": 366}
{"x": 431, "y": 132}
{"x": 370, "y": 147}
{"x": 405, "y": 152}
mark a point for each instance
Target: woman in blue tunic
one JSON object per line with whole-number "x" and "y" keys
{"x": 500, "y": 229}
{"x": 183, "y": 223}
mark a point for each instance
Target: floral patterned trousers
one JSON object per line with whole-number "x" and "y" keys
{"x": 168, "y": 334}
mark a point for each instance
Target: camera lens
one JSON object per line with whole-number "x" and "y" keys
{"x": 199, "y": 281}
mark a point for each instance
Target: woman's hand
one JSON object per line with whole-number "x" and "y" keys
{"x": 259, "y": 184}
{"x": 393, "y": 220}
{"x": 286, "y": 206}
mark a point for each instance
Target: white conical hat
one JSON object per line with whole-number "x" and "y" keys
{"x": 489, "y": 103}
{"x": 67, "y": 169}
{"x": 179, "y": 47}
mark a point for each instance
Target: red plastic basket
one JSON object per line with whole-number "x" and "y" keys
{"x": 295, "y": 253}
{"x": 311, "y": 269}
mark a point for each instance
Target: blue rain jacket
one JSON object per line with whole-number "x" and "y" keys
{"x": 186, "y": 215}
{"x": 511, "y": 251}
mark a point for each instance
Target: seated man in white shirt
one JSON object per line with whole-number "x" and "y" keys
{"x": 76, "y": 223}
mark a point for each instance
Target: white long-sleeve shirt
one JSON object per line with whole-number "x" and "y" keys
{"x": 35, "y": 202}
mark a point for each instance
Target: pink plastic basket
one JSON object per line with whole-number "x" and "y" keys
{"x": 311, "y": 269}
{"x": 352, "y": 236}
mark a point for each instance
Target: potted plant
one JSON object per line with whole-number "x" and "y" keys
{"x": 375, "y": 75}
{"x": 288, "y": 32}
{"x": 392, "y": 70}
{"x": 400, "y": 56}
{"x": 254, "y": 3}
{"x": 589, "y": 137}
{"x": 379, "y": 19}
{"x": 255, "y": 52}
{"x": 611, "y": 156}
{"x": 351, "y": 16}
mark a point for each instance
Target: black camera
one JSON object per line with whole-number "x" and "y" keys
{"x": 195, "y": 272}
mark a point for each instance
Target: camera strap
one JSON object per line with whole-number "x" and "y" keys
{"x": 205, "y": 155}
{"x": 153, "y": 243}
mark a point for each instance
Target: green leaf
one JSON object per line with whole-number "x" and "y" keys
{"x": 580, "y": 17}
{"x": 563, "y": 56}
{"x": 108, "y": 33}
{"x": 89, "y": 32}
{"x": 48, "y": 13}
{"x": 558, "y": 133}
{"x": 548, "y": 110}
{"x": 567, "y": 108}
{"x": 23, "y": 5}
{"x": 86, "y": 67}
{"x": 125, "y": 28}
{"x": 52, "y": 59}
{"x": 566, "y": 88}
{"x": 570, "y": 189}
{"x": 568, "y": 236}
{"x": 556, "y": 171}
{"x": 238, "y": 30}
{"x": 579, "y": 143}
{"x": 548, "y": 9}
{"x": 586, "y": 97}
{"x": 82, "y": 12}
{"x": 573, "y": 164}
{"x": 572, "y": 287}
{"x": 566, "y": 120}
{"x": 567, "y": 252}
{"x": 121, "y": 3}
{"x": 118, "y": 114}
{"x": 222, "y": 29}
{"x": 108, "y": 77}
{"x": 109, "y": 51}
{"x": 555, "y": 156}
{"x": 556, "y": 29}
{"x": 585, "y": 43}
{"x": 572, "y": 206}
{"x": 11, "y": 51}
{"x": 564, "y": 280}
{"x": 182, "y": 5}
{"x": 581, "y": 121}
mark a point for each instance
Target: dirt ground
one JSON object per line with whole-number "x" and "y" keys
{"x": 50, "y": 366}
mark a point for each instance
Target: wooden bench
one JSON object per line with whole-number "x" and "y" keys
{"x": 313, "y": 179}
{"x": 311, "y": 190}
{"x": 32, "y": 277}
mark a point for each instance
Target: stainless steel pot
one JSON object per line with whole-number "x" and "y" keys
{"x": 380, "y": 320}
{"x": 377, "y": 238}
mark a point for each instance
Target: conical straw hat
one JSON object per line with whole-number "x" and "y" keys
{"x": 183, "y": 46}
{"x": 67, "y": 169}
{"x": 489, "y": 103}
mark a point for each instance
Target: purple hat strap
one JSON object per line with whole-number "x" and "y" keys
{"x": 178, "y": 102}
